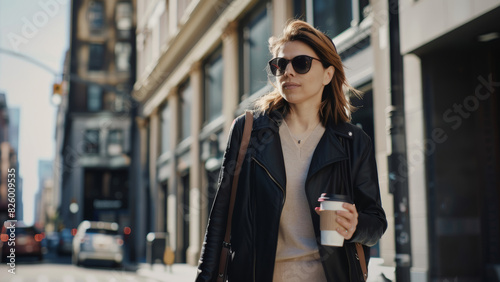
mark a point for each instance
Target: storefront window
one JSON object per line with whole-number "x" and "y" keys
{"x": 255, "y": 32}
{"x": 214, "y": 69}
{"x": 165, "y": 128}
{"x": 185, "y": 98}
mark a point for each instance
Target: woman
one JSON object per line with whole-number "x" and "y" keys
{"x": 298, "y": 145}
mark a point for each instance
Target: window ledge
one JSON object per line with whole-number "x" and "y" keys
{"x": 353, "y": 35}
{"x": 183, "y": 146}
{"x": 248, "y": 102}
{"x": 164, "y": 158}
{"x": 212, "y": 127}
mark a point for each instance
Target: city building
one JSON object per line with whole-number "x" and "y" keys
{"x": 44, "y": 212}
{"x": 451, "y": 72}
{"x": 14, "y": 123}
{"x": 94, "y": 124}
{"x": 9, "y": 167}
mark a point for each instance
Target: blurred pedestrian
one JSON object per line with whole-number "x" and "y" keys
{"x": 301, "y": 139}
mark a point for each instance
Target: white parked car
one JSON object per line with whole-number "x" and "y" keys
{"x": 97, "y": 241}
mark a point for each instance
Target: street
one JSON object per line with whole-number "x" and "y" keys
{"x": 67, "y": 273}
{"x": 56, "y": 268}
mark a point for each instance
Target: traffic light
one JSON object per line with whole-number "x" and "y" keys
{"x": 57, "y": 88}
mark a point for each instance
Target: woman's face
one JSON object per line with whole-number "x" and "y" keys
{"x": 305, "y": 88}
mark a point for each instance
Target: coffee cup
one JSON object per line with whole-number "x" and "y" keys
{"x": 329, "y": 205}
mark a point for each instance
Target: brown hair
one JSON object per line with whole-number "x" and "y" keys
{"x": 334, "y": 103}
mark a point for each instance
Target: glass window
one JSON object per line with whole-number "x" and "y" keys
{"x": 164, "y": 28}
{"x": 256, "y": 30}
{"x": 332, "y": 16}
{"x": 96, "y": 57}
{"x": 148, "y": 50}
{"x": 165, "y": 128}
{"x": 115, "y": 142}
{"x": 120, "y": 103}
{"x": 214, "y": 69}
{"x": 181, "y": 8}
{"x": 94, "y": 98}
{"x": 124, "y": 19}
{"x": 96, "y": 15}
{"x": 91, "y": 141}
{"x": 122, "y": 56}
{"x": 364, "y": 9}
{"x": 109, "y": 101}
{"x": 101, "y": 231}
{"x": 363, "y": 117}
{"x": 185, "y": 100}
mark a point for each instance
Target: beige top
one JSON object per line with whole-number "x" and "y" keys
{"x": 297, "y": 252}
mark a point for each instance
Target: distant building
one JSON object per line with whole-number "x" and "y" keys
{"x": 95, "y": 118}
{"x": 59, "y": 163}
{"x": 44, "y": 207}
{"x": 14, "y": 123}
{"x": 9, "y": 167}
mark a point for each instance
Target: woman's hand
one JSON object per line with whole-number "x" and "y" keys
{"x": 348, "y": 221}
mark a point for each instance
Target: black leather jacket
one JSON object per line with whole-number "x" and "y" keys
{"x": 261, "y": 195}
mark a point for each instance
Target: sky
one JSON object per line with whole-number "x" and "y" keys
{"x": 38, "y": 29}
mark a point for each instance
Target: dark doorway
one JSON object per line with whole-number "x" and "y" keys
{"x": 184, "y": 216}
{"x": 461, "y": 83}
{"x": 105, "y": 195}
{"x": 164, "y": 205}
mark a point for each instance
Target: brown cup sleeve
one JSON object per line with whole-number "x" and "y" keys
{"x": 328, "y": 220}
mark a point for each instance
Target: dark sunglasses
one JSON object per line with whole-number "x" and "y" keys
{"x": 301, "y": 64}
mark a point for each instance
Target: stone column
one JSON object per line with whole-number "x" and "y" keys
{"x": 282, "y": 11}
{"x": 193, "y": 252}
{"x": 154, "y": 137}
{"x": 172, "y": 204}
{"x": 142, "y": 205}
{"x": 381, "y": 103}
{"x": 230, "y": 85}
{"x": 416, "y": 144}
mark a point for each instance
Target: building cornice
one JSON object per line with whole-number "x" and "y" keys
{"x": 152, "y": 89}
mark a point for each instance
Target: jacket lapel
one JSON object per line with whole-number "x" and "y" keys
{"x": 329, "y": 150}
{"x": 266, "y": 144}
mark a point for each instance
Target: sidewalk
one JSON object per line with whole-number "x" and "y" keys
{"x": 377, "y": 272}
{"x": 181, "y": 272}
{"x": 178, "y": 272}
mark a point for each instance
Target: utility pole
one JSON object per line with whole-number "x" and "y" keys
{"x": 398, "y": 165}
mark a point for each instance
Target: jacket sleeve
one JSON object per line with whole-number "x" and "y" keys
{"x": 372, "y": 221}
{"x": 216, "y": 228}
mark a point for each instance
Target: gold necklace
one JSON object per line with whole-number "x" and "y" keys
{"x": 298, "y": 138}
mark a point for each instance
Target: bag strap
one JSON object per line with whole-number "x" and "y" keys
{"x": 361, "y": 256}
{"x": 245, "y": 140}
